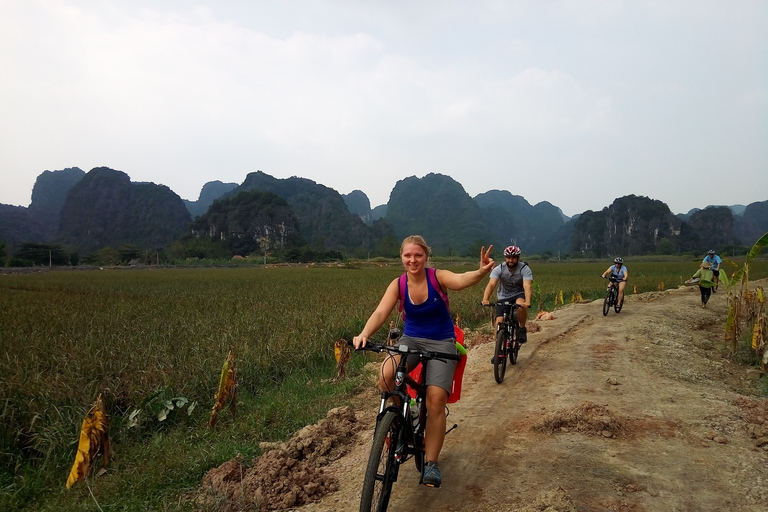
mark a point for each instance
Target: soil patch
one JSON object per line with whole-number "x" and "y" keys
{"x": 287, "y": 474}
{"x": 587, "y": 417}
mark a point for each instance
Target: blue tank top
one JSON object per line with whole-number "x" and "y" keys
{"x": 430, "y": 319}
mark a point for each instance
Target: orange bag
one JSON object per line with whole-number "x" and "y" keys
{"x": 458, "y": 375}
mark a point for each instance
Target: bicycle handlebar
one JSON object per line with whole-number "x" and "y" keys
{"x": 405, "y": 350}
{"x": 513, "y": 305}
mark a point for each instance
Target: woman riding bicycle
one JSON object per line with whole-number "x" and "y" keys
{"x": 428, "y": 326}
{"x": 621, "y": 273}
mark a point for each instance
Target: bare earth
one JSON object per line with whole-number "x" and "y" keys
{"x": 636, "y": 411}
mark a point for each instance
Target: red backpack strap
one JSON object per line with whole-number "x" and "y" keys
{"x": 432, "y": 276}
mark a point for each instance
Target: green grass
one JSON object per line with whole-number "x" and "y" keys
{"x": 142, "y": 336}
{"x": 68, "y": 336}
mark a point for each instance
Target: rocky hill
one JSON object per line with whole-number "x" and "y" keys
{"x": 359, "y": 204}
{"x": 210, "y": 192}
{"x": 713, "y": 227}
{"x": 18, "y": 225}
{"x": 106, "y": 209}
{"x": 753, "y": 223}
{"x": 40, "y": 222}
{"x": 438, "y": 208}
{"x": 631, "y": 225}
{"x": 48, "y": 196}
{"x": 250, "y": 222}
{"x": 324, "y": 220}
{"x": 513, "y": 220}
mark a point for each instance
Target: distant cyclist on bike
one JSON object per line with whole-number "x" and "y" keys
{"x": 620, "y": 271}
{"x": 515, "y": 281}
{"x": 715, "y": 261}
{"x": 428, "y": 326}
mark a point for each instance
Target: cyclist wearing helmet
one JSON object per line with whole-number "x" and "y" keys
{"x": 714, "y": 260}
{"x": 620, "y": 271}
{"x": 515, "y": 282}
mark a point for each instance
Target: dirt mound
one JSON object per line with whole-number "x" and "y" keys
{"x": 556, "y": 500}
{"x": 287, "y": 474}
{"x": 754, "y": 411}
{"x": 587, "y": 417}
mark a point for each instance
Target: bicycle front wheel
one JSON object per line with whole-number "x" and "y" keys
{"x": 514, "y": 348}
{"x": 382, "y": 466}
{"x": 618, "y": 305}
{"x": 607, "y": 303}
{"x": 500, "y": 362}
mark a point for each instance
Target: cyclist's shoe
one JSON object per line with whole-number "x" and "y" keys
{"x": 432, "y": 476}
{"x": 493, "y": 360}
{"x": 522, "y": 335}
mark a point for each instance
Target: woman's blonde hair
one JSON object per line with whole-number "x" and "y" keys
{"x": 415, "y": 239}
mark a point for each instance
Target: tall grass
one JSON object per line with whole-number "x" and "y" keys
{"x": 66, "y": 336}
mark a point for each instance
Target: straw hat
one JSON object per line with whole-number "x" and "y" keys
{"x": 705, "y": 264}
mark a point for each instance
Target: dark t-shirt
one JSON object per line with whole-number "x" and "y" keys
{"x": 511, "y": 281}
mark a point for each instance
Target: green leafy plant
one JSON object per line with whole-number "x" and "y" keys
{"x": 741, "y": 306}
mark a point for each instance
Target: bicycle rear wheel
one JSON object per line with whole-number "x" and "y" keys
{"x": 500, "y": 363}
{"x": 607, "y": 302}
{"x": 381, "y": 471}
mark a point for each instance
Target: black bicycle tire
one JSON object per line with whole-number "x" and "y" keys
{"x": 380, "y": 448}
{"x": 500, "y": 363}
{"x": 607, "y": 303}
{"x": 617, "y": 306}
{"x": 514, "y": 348}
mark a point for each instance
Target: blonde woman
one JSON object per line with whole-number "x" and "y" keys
{"x": 428, "y": 326}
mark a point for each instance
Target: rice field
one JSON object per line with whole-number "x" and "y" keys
{"x": 144, "y": 336}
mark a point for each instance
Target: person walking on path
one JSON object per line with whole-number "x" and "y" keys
{"x": 705, "y": 275}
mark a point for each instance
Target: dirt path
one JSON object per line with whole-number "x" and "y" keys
{"x": 683, "y": 434}
{"x": 631, "y": 412}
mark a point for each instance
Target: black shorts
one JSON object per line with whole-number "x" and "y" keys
{"x": 716, "y": 273}
{"x": 512, "y": 299}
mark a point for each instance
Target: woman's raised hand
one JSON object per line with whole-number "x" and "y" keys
{"x": 486, "y": 262}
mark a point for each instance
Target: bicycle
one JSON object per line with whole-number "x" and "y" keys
{"x": 399, "y": 433}
{"x": 612, "y": 296}
{"x": 507, "y": 345}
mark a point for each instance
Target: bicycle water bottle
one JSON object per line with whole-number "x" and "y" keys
{"x": 415, "y": 411}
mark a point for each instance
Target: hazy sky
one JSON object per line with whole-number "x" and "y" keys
{"x": 571, "y": 102}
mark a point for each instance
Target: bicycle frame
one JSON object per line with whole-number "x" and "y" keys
{"x": 612, "y": 295}
{"x": 402, "y": 382}
{"x": 506, "y": 334}
{"x": 410, "y": 439}
{"x": 509, "y": 320}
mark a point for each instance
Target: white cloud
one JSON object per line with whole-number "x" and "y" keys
{"x": 357, "y": 96}
{"x": 550, "y": 102}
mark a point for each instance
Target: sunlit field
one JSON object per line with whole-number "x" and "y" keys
{"x": 140, "y": 337}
